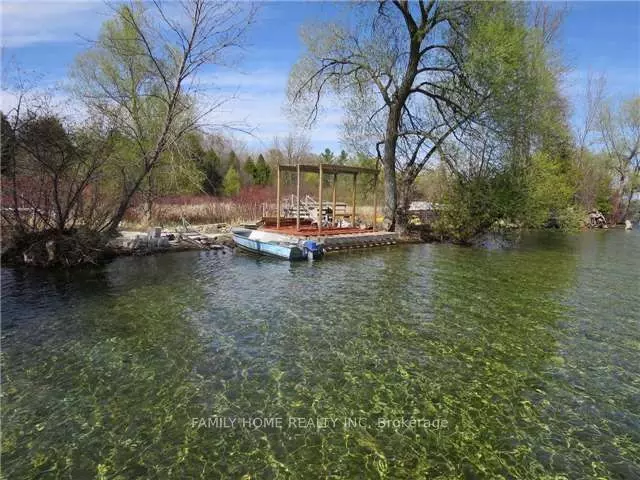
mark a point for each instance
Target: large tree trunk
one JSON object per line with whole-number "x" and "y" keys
{"x": 404, "y": 201}
{"x": 148, "y": 165}
{"x": 389, "y": 168}
{"x": 390, "y": 203}
{"x": 111, "y": 228}
{"x": 625, "y": 216}
{"x": 148, "y": 195}
{"x": 396, "y": 103}
{"x": 618, "y": 214}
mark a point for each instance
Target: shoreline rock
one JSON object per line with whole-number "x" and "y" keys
{"x": 52, "y": 249}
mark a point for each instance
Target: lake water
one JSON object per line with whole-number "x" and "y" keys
{"x": 421, "y": 361}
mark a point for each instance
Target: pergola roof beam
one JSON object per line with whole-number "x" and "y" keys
{"x": 327, "y": 168}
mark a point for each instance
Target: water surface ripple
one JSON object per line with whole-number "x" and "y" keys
{"x": 527, "y": 358}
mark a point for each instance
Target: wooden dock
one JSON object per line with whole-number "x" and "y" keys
{"x": 351, "y": 241}
{"x": 336, "y": 239}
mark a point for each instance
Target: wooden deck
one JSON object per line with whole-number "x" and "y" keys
{"x": 336, "y": 239}
{"x": 308, "y": 230}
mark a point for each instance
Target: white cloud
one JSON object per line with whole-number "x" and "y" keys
{"x": 259, "y": 93}
{"x": 248, "y": 109}
{"x": 254, "y": 80}
{"x": 26, "y": 23}
{"x": 263, "y": 114}
{"x": 50, "y": 100}
{"x": 8, "y": 100}
{"x": 259, "y": 104}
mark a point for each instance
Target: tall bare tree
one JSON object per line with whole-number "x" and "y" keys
{"x": 140, "y": 77}
{"x": 620, "y": 134}
{"x": 594, "y": 97}
{"x": 394, "y": 51}
{"x": 591, "y": 170}
{"x": 49, "y": 165}
{"x": 295, "y": 147}
{"x": 413, "y": 74}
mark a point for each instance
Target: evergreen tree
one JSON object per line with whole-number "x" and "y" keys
{"x": 233, "y": 161}
{"x": 250, "y": 169}
{"x": 327, "y": 156}
{"x": 8, "y": 143}
{"x": 263, "y": 171}
{"x": 231, "y": 183}
{"x": 210, "y": 166}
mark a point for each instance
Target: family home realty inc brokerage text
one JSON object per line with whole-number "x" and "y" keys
{"x": 308, "y": 423}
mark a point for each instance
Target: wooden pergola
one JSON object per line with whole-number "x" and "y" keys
{"x": 321, "y": 169}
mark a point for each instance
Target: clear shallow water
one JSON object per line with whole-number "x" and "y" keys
{"x": 530, "y": 355}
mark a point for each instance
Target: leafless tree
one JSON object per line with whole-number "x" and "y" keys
{"x": 594, "y": 97}
{"x": 405, "y": 56}
{"x": 620, "y": 135}
{"x": 140, "y": 76}
{"x": 50, "y": 168}
{"x": 295, "y": 147}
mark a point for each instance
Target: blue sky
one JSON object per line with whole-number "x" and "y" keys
{"x": 44, "y": 37}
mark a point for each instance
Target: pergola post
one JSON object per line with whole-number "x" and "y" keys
{"x": 375, "y": 201}
{"x": 320, "y": 200}
{"x": 353, "y": 213}
{"x": 278, "y": 197}
{"x": 333, "y": 214}
{"x": 298, "y": 195}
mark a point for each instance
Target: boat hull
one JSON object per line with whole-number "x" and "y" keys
{"x": 287, "y": 252}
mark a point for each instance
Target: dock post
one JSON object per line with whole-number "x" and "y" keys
{"x": 320, "y": 201}
{"x": 278, "y": 197}
{"x": 333, "y": 214}
{"x": 353, "y": 213}
{"x": 298, "y": 194}
{"x": 375, "y": 200}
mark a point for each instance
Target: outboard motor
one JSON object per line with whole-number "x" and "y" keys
{"x": 312, "y": 249}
